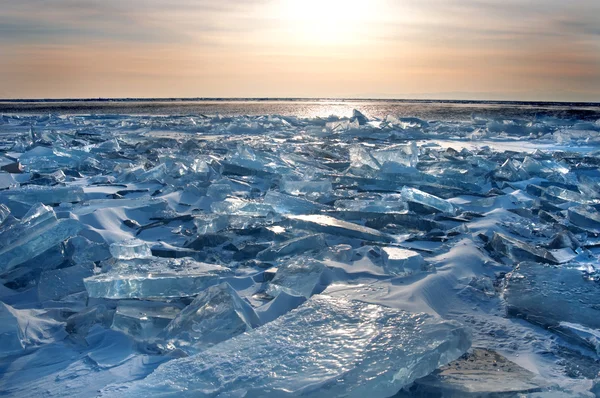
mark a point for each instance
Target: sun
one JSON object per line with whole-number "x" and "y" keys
{"x": 324, "y": 22}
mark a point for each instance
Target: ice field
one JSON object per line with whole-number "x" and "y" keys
{"x": 274, "y": 256}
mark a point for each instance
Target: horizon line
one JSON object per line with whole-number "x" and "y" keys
{"x": 240, "y": 99}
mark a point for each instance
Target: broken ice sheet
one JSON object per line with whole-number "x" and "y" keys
{"x": 402, "y": 261}
{"x": 520, "y": 251}
{"x": 300, "y": 277}
{"x": 427, "y": 200}
{"x": 305, "y": 187}
{"x": 153, "y": 278}
{"x": 548, "y": 295}
{"x": 47, "y": 195}
{"x": 130, "y": 249}
{"x": 26, "y": 329}
{"x": 38, "y": 231}
{"x": 333, "y": 226}
{"x": 144, "y": 319}
{"x": 293, "y": 246}
{"x": 287, "y": 204}
{"x": 218, "y": 313}
{"x": 328, "y": 347}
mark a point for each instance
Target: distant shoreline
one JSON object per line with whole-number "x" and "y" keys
{"x": 311, "y": 100}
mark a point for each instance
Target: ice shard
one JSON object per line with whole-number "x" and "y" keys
{"x": 215, "y": 315}
{"x": 40, "y": 194}
{"x": 293, "y": 246}
{"x": 331, "y": 225}
{"x": 328, "y": 347}
{"x": 144, "y": 319}
{"x": 130, "y": 249}
{"x": 520, "y": 251}
{"x": 428, "y": 201}
{"x": 22, "y": 330}
{"x": 287, "y": 204}
{"x": 154, "y": 278}
{"x": 548, "y": 295}
{"x": 402, "y": 261}
{"x": 33, "y": 236}
{"x": 300, "y": 277}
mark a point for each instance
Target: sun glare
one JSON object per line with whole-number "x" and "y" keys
{"x": 324, "y": 22}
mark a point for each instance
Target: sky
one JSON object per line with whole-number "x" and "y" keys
{"x": 546, "y": 50}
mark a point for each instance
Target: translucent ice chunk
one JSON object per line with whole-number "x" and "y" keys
{"x": 548, "y": 295}
{"x": 402, "y": 261}
{"x": 30, "y": 240}
{"x": 47, "y": 195}
{"x": 215, "y": 315}
{"x": 293, "y": 246}
{"x": 25, "y": 329}
{"x": 143, "y": 319}
{"x": 360, "y": 156}
{"x": 4, "y": 213}
{"x": 305, "y": 187}
{"x": 580, "y": 334}
{"x": 286, "y": 204}
{"x": 585, "y": 217}
{"x": 154, "y": 277}
{"x": 403, "y": 154}
{"x": 328, "y": 347}
{"x": 520, "y": 251}
{"x": 280, "y": 305}
{"x": 330, "y": 225}
{"x": 7, "y": 181}
{"x": 427, "y": 200}
{"x": 59, "y": 283}
{"x": 241, "y": 207}
{"x": 211, "y": 224}
{"x": 130, "y": 249}
{"x": 359, "y": 117}
{"x": 300, "y": 277}
{"x": 370, "y": 206}
{"x": 510, "y": 171}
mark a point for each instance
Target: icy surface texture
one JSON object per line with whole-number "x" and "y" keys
{"x": 398, "y": 261}
{"x": 38, "y": 231}
{"x": 326, "y": 348}
{"x": 549, "y": 295}
{"x": 143, "y": 319}
{"x": 301, "y": 277}
{"x": 330, "y": 225}
{"x": 154, "y": 277}
{"x": 423, "y": 198}
{"x": 130, "y": 249}
{"x": 25, "y": 329}
{"x": 215, "y": 315}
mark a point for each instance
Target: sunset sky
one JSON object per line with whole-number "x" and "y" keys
{"x": 463, "y": 49}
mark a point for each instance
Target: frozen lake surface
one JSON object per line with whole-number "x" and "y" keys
{"x": 309, "y": 248}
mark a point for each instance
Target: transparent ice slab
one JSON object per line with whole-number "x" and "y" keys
{"x": 520, "y": 251}
{"x": 26, "y": 329}
{"x": 293, "y": 246}
{"x": 331, "y": 225}
{"x": 143, "y": 319}
{"x": 328, "y": 347}
{"x": 154, "y": 278}
{"x": 548, "y": 295}
{"x": 402, "y": 261}
{"x": 300, "y": 277}
{"x": 216, "y": 314}
{"x": 428, "y": 200}
{"x": 130, "y": 249}
{"x": 30, "y": 239}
